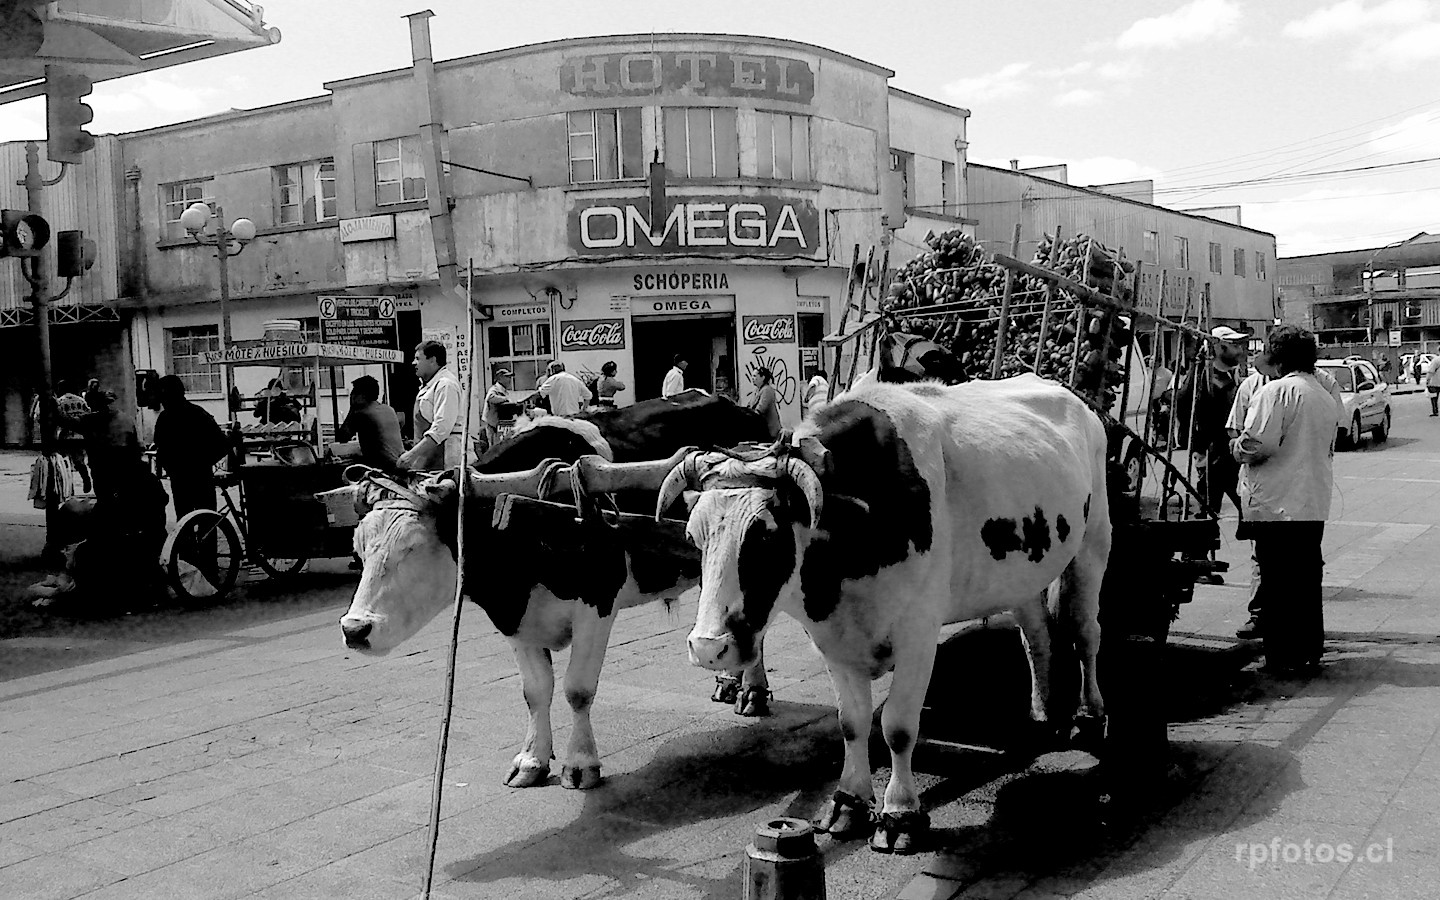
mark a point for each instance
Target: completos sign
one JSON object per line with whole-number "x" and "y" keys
{"x": 760, "y": 226}
{"x": 768, "y": 329}
{"x": 593, "y": 334}
{"x": 690, "y": 73}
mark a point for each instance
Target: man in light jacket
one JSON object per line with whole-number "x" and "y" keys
{"x": 1286, "y": 449}
{"x": 439, "y": 413}
{"x": 674, "y": 382}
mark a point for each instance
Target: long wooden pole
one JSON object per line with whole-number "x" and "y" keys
{"x": 1004, "y": 323}
{"x": 1049, "y": 302}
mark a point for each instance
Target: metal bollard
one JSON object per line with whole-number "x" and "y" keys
{"x": 783, "y": 863}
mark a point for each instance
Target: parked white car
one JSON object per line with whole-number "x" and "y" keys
{"x": 1365, "y": 395}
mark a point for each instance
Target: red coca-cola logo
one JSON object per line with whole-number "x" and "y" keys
{"x": 769, "y": 329}
{"x": 593, "y": 334}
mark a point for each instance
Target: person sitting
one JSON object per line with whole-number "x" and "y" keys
{"x": 275, "y": 406}
{"x": 373, "y": 424}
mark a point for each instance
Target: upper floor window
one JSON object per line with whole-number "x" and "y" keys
{"x": 305, "y": 192}
{"x": 1182, "y": 252}
{"x": 605, "y": 145}
{"x": 183, "y": 347}
{"x": 782, "y": 146}
{"x": 1215, "y": 258}
{"x": 1152, "y": 246}
{"x": 947, "y": 189}
{"x": 399, "y": 172}
{"x": 1240, "y": 262}
{"x": 177, "y": 197}
{"x": 1260, "y": 266}
{"x": 904, "y": 163}
{"x": 701, "y": 143}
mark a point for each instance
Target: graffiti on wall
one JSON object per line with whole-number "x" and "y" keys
{"x": 785, "y": 383}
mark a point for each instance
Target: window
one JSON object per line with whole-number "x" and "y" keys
{"x": 701, "y": 143}
{"x": 605, "y": 145}
{"x": 524, "y": 349}
{"x": 782, "y": 146}
{"x": 904, "y": 163}
{"x": 183, "y": 347}
{"x": 1152, "y": 246}
{"x": 947, "y": 188}
{"x": 1215, "y": 258}
{"x": 305, "y": 192}
{"x": 1240, "y": 262}
{"x": 399, "y": 173}
{"x": 176, "y": 198}
{"x": 1182, "y": 253}
{"x": 1260, "y": 266}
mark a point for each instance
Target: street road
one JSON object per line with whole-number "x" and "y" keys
{"x": 242, "y": 752}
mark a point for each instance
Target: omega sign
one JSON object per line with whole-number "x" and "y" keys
{"x": 761, "y": 226}
{"x": 593, "y": 334}
{"x": 768, "y": 329}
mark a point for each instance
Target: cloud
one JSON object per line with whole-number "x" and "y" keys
{"x": 155, "y": 92}
{"x": 1077, "y": 97}
{"x": 1120, "y": 70}
{"x": 23, "y": 120}
{"x": 1401, "y": 139}
{"x": 1003, "y": 82}
{"x": 1326, "y": 220}
{"x": 1349, "y": 18}
{"x": 1198, "y": 20}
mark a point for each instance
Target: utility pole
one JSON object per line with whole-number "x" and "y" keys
{"x": 39, "y": 287}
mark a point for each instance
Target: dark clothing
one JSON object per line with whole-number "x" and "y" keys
{"x": 114, "y": 449}
{"x": 188, "y": 443}
{"x": 1219, "y": 479}
{"x": 378, "y": 430}
{"x": 1291, "y": 568}
{"x": 1216, "y": 394}
{"x": 278, "y": 408}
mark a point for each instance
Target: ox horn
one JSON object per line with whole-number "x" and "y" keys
{"x": 685, "y": 475}
{"x": 805, "y": 478}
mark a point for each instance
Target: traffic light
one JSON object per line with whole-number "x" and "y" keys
{"x": 22, "y": 233}
{"x": 65, "y": 115}
{"x": 74, "y": 254}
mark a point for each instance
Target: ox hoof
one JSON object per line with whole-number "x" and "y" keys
{"x": 753, "y": 702}
{"x": 1088, "y": 733}
{"x": 727, "y": 689}
{"x": 523, "y": 775}
{"x": 846, "y": 818}
{"x": 581, "y": 778}
{"x": 901, "y": 832}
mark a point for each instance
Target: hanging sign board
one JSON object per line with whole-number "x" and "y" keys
{"x": 307, "y": 352}
{"x": 358, "y": 321}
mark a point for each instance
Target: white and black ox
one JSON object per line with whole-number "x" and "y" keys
{"x": 900, "y": 509}
{"x": 541, "y": 599}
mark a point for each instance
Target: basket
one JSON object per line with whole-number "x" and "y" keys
{"x": 340, "y": 509}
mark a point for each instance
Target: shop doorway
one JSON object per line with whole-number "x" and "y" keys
{"x": 708, "y": 342}
{"x": 403, "y": 384}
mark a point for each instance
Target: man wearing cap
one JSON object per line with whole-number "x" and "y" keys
{"x": 496, "y": 397}
{"x": 1211, "y": 397}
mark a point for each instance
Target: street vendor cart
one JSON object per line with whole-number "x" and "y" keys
{"x": 273, "y": 490}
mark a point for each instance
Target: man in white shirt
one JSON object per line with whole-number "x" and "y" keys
{"x": 1287, "y": 448}
{"x": 1432, "y": 384}
{"x": 439, "y": 413}
{"x": 674, "y": 382}
{"x": 816, "y": 391}
{"x": 566, "y": 393}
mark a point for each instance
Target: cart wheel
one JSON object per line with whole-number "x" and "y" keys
{"x": 279, "y": 567}
{"x": 202, "y": 557}
{"x": 1135, "y": 466}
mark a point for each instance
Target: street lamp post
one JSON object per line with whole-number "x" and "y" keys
{"x": 236, "y": 236}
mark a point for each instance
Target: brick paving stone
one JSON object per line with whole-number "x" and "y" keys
{"x": 75, "y": 823}
{"x": 928, "y": 887}
{"x": 147, "y": 846}
{"x": 53, "y": 876}
{"x": 339, "y": 881}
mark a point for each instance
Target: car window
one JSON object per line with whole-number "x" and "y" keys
{"x": 1343, "y": 377}
{"x": 1368, "y": 373}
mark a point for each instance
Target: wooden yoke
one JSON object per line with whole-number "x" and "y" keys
{"x": 594, "y": 475}
{"x": 527, "y": 484}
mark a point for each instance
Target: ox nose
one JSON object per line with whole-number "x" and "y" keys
{"x": 712, "y": 653}
{"x": 356, "y": 635}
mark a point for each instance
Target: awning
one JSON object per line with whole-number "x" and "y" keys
{"x": 105, "y": 40}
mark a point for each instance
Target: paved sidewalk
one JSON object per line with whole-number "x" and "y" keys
{"x": 255, "y": 757}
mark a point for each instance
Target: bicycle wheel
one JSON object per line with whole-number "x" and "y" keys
{"x": 202, "y": 557}
{"x": 278, "y": 567}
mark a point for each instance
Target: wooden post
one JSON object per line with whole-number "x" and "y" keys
{"x": 1130, "y": 347}
{"x": 860, "y": 336}
{"x": 844, "y": 317}
{"x": 1004, "y": 323}
{"x": 1049, "y": 301}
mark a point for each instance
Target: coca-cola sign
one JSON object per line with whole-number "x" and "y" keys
{"x": 593, "y": 334}
{"x": 768, "y": 329}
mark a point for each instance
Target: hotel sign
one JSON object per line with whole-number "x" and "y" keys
{"x": 689, "y": 73}
{"x": 758, "y": 226}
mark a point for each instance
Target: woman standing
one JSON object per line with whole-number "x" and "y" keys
{"x": 608, "y": 385}
{"x": 766, "y": 402}
{"x": 1286, "y": 448}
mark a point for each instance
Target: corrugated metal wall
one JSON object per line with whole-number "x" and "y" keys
{"x": 89, "y": 198}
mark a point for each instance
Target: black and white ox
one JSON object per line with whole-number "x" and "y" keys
{"x": 902, "y": 508}
{"x": 541, "y": 599}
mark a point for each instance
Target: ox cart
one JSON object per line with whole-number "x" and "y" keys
{"x": 281, "y": 502}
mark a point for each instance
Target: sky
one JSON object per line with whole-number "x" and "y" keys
{"x": 1303, "y": 112}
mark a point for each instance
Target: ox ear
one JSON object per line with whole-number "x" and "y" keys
{"x": 814, "y": 453}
